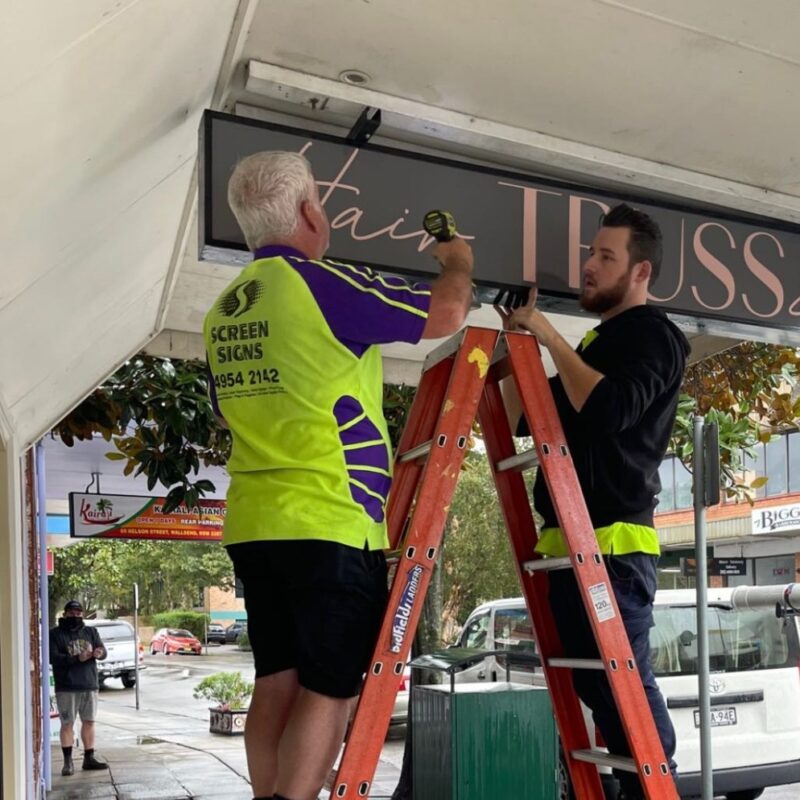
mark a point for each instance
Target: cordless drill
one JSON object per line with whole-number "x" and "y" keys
{"x": 442, "y": 226}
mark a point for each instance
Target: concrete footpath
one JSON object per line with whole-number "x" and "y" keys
{"x": 157, "y": 755}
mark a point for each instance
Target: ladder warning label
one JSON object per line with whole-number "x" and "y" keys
{"x": 601, "y": 600}
{"x": 401, "y": 616}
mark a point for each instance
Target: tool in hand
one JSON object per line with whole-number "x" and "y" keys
{"x": 442, "y": 226}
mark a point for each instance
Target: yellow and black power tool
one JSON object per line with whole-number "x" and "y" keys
{"x": 440, "y": 225}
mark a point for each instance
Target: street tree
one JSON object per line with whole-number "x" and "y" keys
{"x": 749, "y": 389}
{"x": 171, "y": 575}
{"x": 477, "y": 563}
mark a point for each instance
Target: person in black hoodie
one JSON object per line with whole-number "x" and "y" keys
{"x": 74, "y": 650}
{"x": 617, "y": 397}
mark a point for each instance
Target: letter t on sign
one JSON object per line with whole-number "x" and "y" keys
{"x": 529, "y": 205}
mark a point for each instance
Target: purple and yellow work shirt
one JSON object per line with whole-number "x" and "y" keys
{"x": 296, "y": 371}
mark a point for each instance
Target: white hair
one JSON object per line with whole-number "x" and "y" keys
{"x": 265, "y": 193}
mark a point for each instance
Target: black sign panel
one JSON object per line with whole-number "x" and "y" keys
{"x": 717, "y": 266}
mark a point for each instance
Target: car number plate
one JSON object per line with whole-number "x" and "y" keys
{"x": 720, "y": 717}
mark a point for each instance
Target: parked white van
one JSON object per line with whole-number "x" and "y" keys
{"x": 755, "y": 684}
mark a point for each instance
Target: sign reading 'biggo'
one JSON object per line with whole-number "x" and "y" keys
{"x": 727, "y": 268}
{"x": 776, "y": 519}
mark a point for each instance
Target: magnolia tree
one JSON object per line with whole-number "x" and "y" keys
{"x": 157, "y": 414}
{"x": 749, "y": 390}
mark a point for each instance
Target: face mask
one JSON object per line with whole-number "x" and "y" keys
{"x": 73, "y": 623}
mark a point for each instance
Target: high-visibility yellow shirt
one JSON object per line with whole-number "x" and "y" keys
{"x": 616, "y": 539}
{"x": 297, "y": 373}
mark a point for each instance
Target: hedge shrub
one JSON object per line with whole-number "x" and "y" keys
{"x": 194, "y": 621}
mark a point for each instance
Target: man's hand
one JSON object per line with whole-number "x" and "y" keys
{"x": 508, "y": 389}
{"x": 98, "y": 652}
{"x": 455, "y": 254}
{"x": 86, "y": 654}
{"x": 578, "y": 377}
{"x": 528, "y": 318}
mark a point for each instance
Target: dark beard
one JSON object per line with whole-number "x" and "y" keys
{"x": 604, "y": 301}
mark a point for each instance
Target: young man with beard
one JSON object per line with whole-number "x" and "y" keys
{"x": 617, "y": 397}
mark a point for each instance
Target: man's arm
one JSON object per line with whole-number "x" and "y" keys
{"x": 451, "y": 292}
{"x": 578, "y": 378}
{"x": 364, "y": 308}
{"x": 59, "y": 656}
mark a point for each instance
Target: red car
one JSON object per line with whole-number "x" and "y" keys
{"x": 174, "y": 640}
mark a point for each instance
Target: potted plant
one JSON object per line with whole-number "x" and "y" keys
{"x": 231, "y": 694}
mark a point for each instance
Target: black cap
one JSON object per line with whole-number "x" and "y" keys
{"x": 73, "y": 605}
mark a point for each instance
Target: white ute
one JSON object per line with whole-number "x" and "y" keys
{"x": 120, "y": 643}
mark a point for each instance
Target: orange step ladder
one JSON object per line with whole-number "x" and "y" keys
{"x": 461, "y": 383}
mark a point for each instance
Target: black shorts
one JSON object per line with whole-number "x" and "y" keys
{"x": 313, "y": 606}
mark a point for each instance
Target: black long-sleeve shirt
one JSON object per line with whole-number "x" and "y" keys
{"x": 69, "y": 672}
{"x": 619, "y": 437}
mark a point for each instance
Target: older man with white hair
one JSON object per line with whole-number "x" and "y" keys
{"x": 296, "y": 374}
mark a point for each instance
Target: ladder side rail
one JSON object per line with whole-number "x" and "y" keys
{"x": 420, "y": 422}
{"x": 592, "y": 578}
{"x": 419, "y": 552}
{"x": 516, "y": 508}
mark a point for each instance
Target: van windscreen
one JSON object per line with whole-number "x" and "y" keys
{"x": 115, "y": 633}
{"x": 738, "y": 640}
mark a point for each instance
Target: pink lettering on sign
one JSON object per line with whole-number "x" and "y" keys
{"x": 763, "y": 274}
{"x": 352, "y": 216}
{"x": 530, "y": 198}
{"x": 714, "y": 265}
{"x": 101, "y": 513}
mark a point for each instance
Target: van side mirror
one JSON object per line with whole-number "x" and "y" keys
{"x": 686, "y": 638}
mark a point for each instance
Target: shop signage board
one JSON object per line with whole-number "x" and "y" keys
{"x": 776, "y": 519}
{"x": 721, "y": 266}
{"x": 716, "y": 566}
{"x": 115, "y": 516}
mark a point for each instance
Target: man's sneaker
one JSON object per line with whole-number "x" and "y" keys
{"x": 90, "y": 762}
{"x": 68, "y": 768}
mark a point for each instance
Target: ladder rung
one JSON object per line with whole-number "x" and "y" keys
{"x": 576, "y": 663}
{"x": 519, "y": 462}
{"x": 605, "y": 760}
{"x": 415, "y": 452}
{"x": 545, "y": 564}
